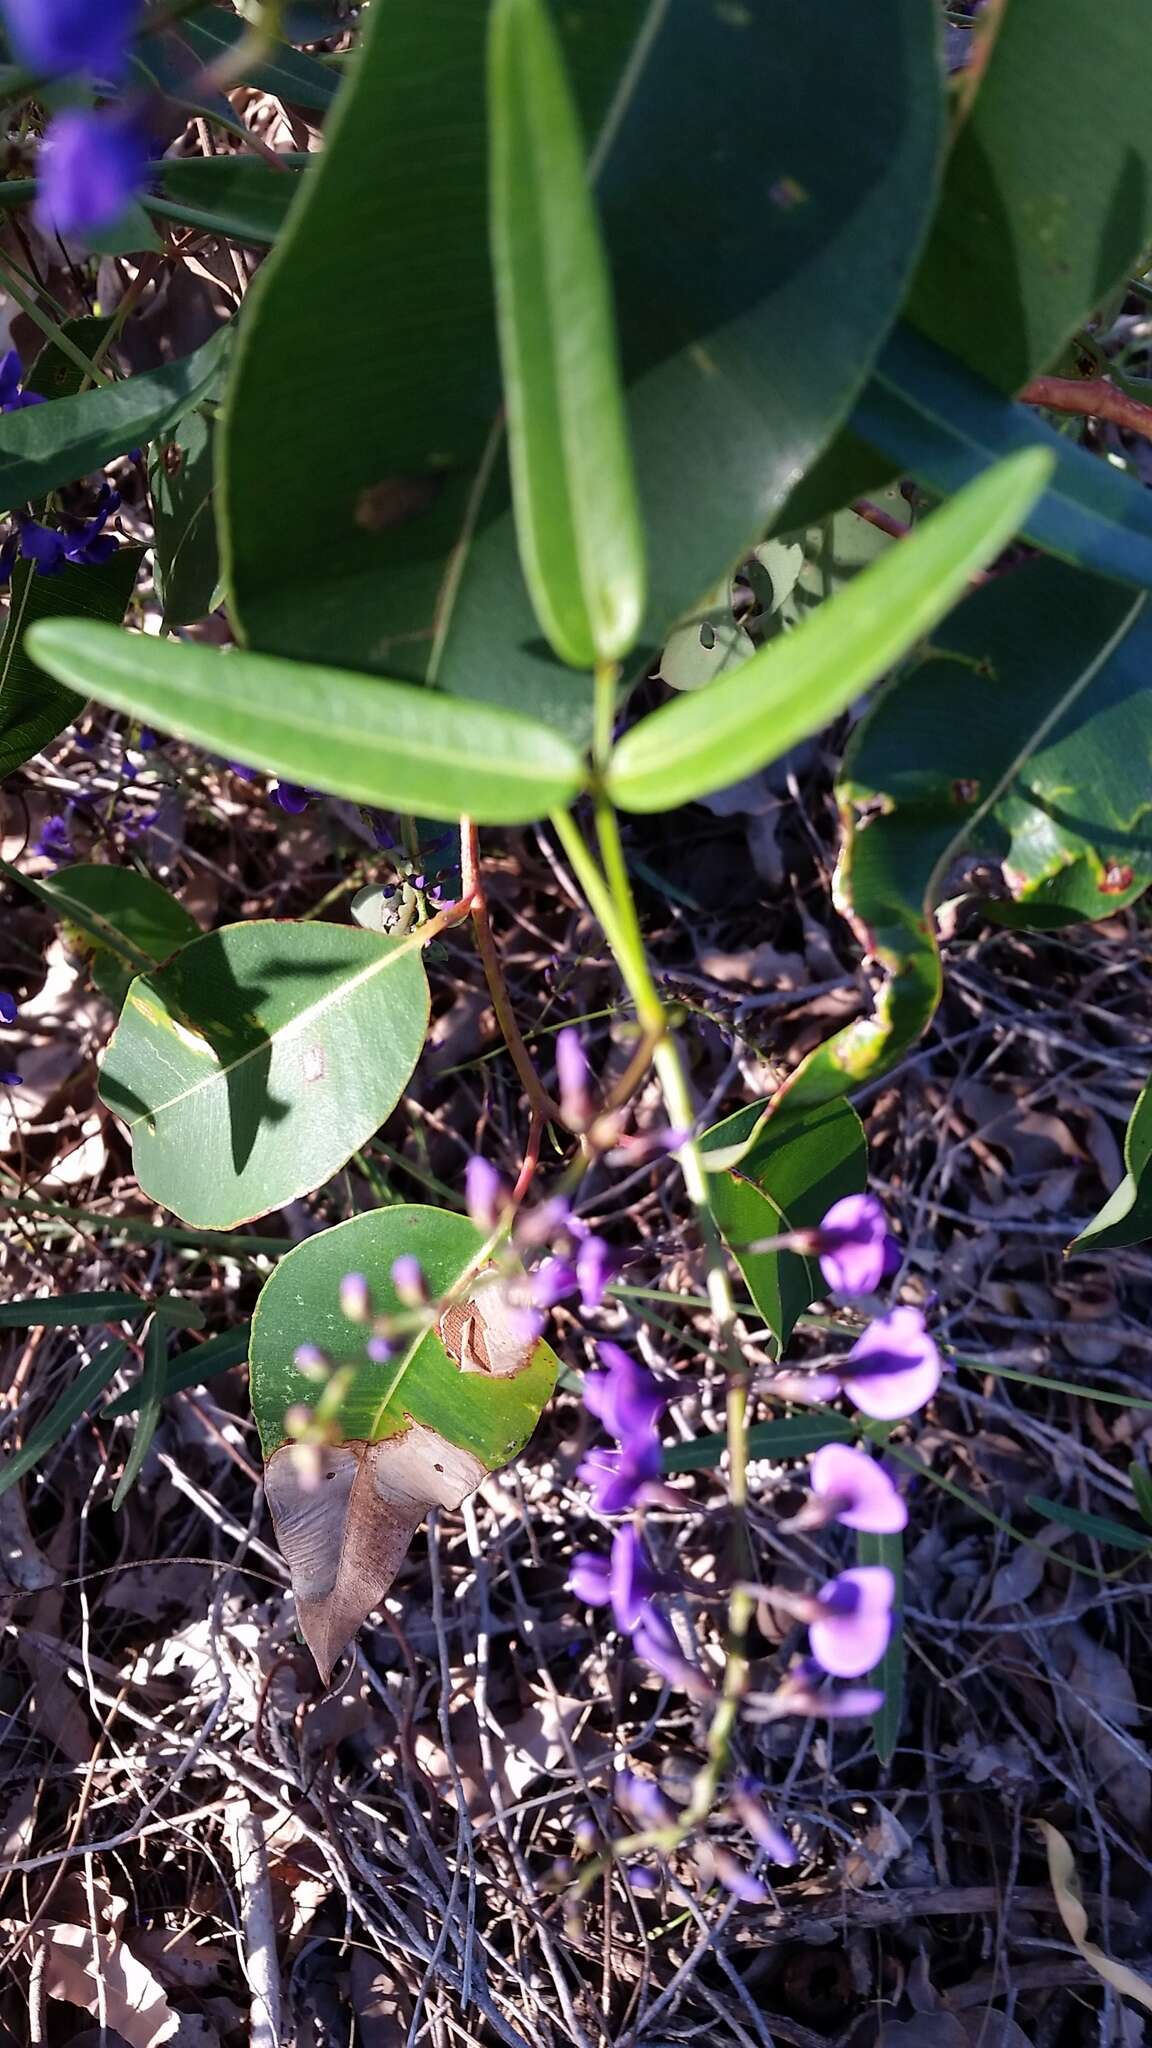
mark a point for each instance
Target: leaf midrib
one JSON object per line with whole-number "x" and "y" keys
{"x": 302, "y": 1019}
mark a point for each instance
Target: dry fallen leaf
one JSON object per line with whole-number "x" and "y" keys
{"x": 1066, "y": 1885}
{"x": 80, "y": 1972}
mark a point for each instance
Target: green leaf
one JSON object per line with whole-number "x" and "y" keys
{"x": 131, "y": 922}
{"x": 203, "y": 1362}
{"x": 54, "y": 373}
{"x": 243, "y": 198}
{"x": 355, "y": 736}
{"x": 45, "y": 446}
{"x": 288, "y": 74}
{"x": 937, "y": 421}
{"x": 67, "y": 1410}
{"x": 1126, "y": 1217}
{"x": 1085, "y": 1524}
{"x": 187, "y": 555}
{"x": 798, "y": 683}
{"x": 1141, "y": 1480}
{"x": 581, "y": 545}
{"x": 33, "y": 707}
{"x": 793, "y": 1170}
{"x": 71, "y": 1311}
{"x": 939, "y": 750}
{"x": 888, "y": 1675}
{"x": 418, "y": 1431}
{"x": 1047, "y": 199}
{"x": 794, "y": 1436}
{"x": 371, "y": 540}
{"x": 254, "y": 1064}
{"x": 151, "y": 1402}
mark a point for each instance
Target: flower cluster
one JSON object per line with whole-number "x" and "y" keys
{"x": 51, "y": 548}
{"x": 93, "y": 162}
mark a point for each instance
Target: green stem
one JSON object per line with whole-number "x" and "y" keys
{"x": 609, "y": 892}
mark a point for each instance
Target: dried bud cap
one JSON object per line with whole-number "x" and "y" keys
{"x": 408, "y": 1280}
{"x": 355, "y": 1300}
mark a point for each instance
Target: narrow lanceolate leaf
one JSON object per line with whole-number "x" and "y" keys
{"x": 48, "y": 445}
{"x": 190, "y": 1369}
{"x": 253, "y": 1065}
{"x": 356, "y": 736}
{"x": 151, "y": 1402}
{"x": 1126, "y": 1217}
{"x": 71, "y": 1311}
{"x": 794, "y": 1436}
{"x": 67, "y": 1410}
{"x": 33, "y": 707}
{"x": 577, "y": 520}
{"x": 417, "y": 1432}
{"x": 932, "y": 418}
{"x": 796, "y": 684}
{"x": 888, "y": 1676}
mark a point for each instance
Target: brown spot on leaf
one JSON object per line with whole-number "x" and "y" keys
{"x": 965, "y": 790}
{"x": 395, "y": 501}
{"x": 1116, "y": 880}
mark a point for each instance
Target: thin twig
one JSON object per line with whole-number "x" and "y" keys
{"x": 540, "y": 1101}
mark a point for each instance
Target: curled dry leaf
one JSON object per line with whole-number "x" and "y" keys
{"x": 1066, "y": 1885}
{"x": 418, "y": 1432}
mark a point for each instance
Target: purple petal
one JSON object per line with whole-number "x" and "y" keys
{"x": 851, "y": 1635}
{"x": 736, "y": 1879}
{"x": 654, "y": 1641}
{"x": 572, "y": 1076}
{"x": 642, "y": 1799}
{"x": 633, "y": 1581}
{"x": 627, "y": 1398}
{"x": 289, "y": 797}
{"x": 42, "y": 545}
{"x": 596, "y": 1265}
{"x": 9, "y": 1007}
{"x": 355, "y": 1300}
{"x": 59, "y": 36}
{"x": 894, "y": 1368}
{"x": 10, "y": 1080}
{"x": 590, "y": 1578}
{"x": 618, "y": 1478}
{"x": 856, "y": 1490}
{"x": 483, "y": 1193}
{"x": 764, "y": 1831}
{"x": 91, "y": 168}
{"x": 853, "y": 1242}
{"x": 408, "y": 1280}
{"x": 552, "y": 1281}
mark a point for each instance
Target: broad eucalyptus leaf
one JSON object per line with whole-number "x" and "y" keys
{"x": 796, "y": 684}
{"x": 1126, "y": 1217}
{"x": 356, "y": 736}
{"x": 253, "y": 1065}
{"x": 419, "y": 1431}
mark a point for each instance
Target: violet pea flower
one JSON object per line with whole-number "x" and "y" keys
{"x": 596, "y": 1265}
{"x": 409, "y": 1281}
{"x": 484, "y": 1193}
{"x": 894, "y": 1368}
{"x": 626, "y": 1399}
{"x": 855, "y": 1489}
{"x": 55, "y": 841}
{"x": 849, "y": 1632}
{"x": 9, "y": 1007}
{"x": 90, "y": 169}
{"x": 591, "y": 1579}
{"x": 572, "y": 1078}
{"x": 854, "y": 1246}
{"x": 619, "y": 1479}
{"x": 654, "y": 1641}
{"x": 61, "y": 36}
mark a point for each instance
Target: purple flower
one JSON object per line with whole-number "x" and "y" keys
{"x": 596, "y": 1265}
{"x": 572, "y": 1078}
{"x": 91, "y": 544}
{"x": 311, "y": 1362}
{"x": 12, "y": 393}
{"x": 591, "y": 1579}
{"x": 41, "y": 545}
{"x": 618, "y": 1479}
{"x": 552, "y": 1281}
{"x": 9, "y": 1007}
{"x": 894, "y": 1368}
{"x": 749, "y": 1808}
{"x": 641, "y": 1878}
{"x": 91, "y": 168}
{"x": 642, "y": 1799}
{"x": 288, "y": 796}
{"x": 738, "y": 1880}
{"x": 355, "y": 1299}
{"x": 850, "y": 1633}
{"x": 484, "y": 1194}
{"x": 408, "y": 1280}
{"x": 55, "y": 841}
{"x": 9, "y": 1079}
{"x": 804, "y": 1691}
{"x": 380, "y": 1350}
{"x": 627, "y": 1398}
{"x": 853, "y": 1488}
{"x": 854, "y": 1246}
{"x": 632, "y": 1580}
{"x": 59, "y": 36}
{"x": 654, "y": 1641}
